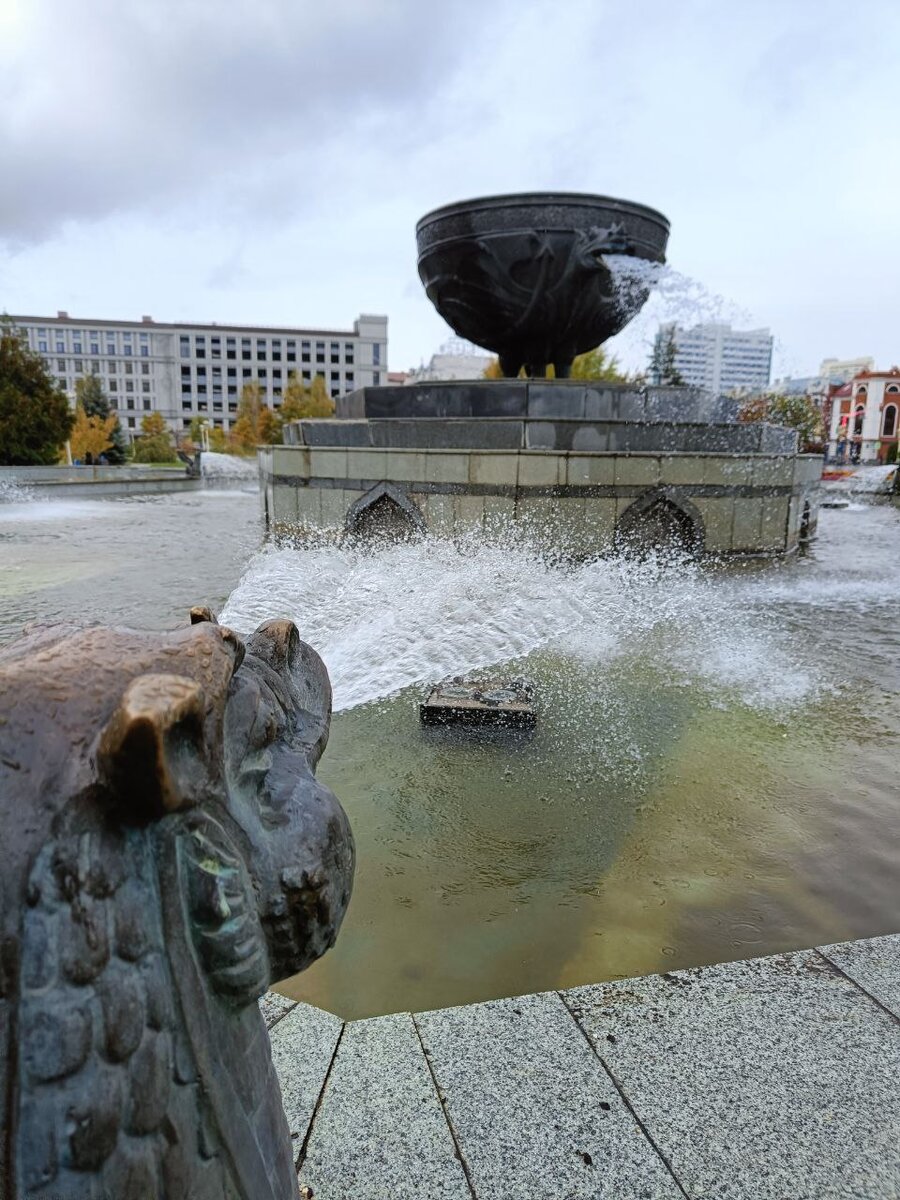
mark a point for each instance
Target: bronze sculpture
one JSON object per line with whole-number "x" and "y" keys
{"x": 166, "y": 854}
{"x": 526, "y": 275}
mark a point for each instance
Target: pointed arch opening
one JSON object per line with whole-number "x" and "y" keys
{"x": 657, "y": 522}
{"x": 385, "y": 513}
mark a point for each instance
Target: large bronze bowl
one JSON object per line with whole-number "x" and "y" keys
{"x": 525, "y": 276}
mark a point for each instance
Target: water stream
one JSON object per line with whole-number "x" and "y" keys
{"x": 712, "y": 775}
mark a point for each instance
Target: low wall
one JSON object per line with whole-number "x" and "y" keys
{"x": 102, "y": 481}
{"x": 739, "y": 504}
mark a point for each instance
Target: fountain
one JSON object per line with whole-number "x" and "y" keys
{"x": 583, "y": 466}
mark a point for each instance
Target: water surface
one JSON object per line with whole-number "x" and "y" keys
{"x": 712, "y": 776}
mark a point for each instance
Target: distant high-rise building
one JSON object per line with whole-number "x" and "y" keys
{"x": 721, "y": 359}
{"x": 188, "y": 370}
{"x": 456, "y": 359}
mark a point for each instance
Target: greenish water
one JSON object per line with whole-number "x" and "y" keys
{"x": 673, "y": 833}
{"x": 712, "y": 776}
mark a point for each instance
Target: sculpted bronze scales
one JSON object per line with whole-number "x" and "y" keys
{"x": 167, "y": 853}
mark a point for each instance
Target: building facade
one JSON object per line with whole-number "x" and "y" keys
{"x": 839, "y": 370}
{"x": 187, "y": 370}
{"x": 456, "y": 359}
{"x": 865, "y": 414}
{"x": 721, "y": 359}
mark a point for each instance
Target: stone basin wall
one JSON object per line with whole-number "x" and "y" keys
{"x": 739, "y": 503}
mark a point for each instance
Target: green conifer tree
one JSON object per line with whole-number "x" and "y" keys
{"x": 35, "y": 418}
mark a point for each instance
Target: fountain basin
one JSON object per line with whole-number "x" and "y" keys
{"x": 524, "y": 275}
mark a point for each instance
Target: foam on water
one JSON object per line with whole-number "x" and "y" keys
{"x": 417, "y": 612}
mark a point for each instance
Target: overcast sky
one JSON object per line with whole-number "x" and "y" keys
{"x": 265, "y": 161}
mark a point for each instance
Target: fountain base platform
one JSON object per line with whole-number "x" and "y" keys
{"x": 581, "y": 467}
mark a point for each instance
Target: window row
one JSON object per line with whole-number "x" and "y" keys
{"x": 261, "y": 373}
{"x": 128, "y": 385}
{"x": 248, "y": 354}
{"x": 95, "y": 365}
{"x": 201, "y": 391}
{"x": 48, "y": 346}
{"x": 203, "y": 406}
{"x": 185, "y": 423}
{"x": 130, "y": 404}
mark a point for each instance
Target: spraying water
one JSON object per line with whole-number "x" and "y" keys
{"x": 13, "y": 492}
{"x": 419, "y": 611}
{"x": 673, "y": 296}
{"x": 712, "y": 776}
{"x": 228, "y": 468}
{"x": 865, "y": 481}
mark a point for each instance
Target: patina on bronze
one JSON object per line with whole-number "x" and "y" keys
{"x": 525, "y": 275}
{"x": 166, "y": 853}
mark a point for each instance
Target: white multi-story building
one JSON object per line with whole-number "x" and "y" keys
{"x": 456, "y": 359}
{"x": 189, "y": 370}
{"x": 721, "y": 359}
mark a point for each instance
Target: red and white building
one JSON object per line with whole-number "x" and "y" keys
{"x": 865, "y": 415}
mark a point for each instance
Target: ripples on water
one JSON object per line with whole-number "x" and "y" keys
{"x": 141, "y": 560}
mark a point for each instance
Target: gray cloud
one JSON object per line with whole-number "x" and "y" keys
{"x": 115, "y": 105}
{"x": 268, "y": 161}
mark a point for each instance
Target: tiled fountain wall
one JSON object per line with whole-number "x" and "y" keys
{"x": 568, "y": 460}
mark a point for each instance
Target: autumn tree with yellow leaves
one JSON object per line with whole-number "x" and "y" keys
{"x": 256, "y": 424}
{"x": 301, "y": 401}
{"x": 91, "y": 435}
{"x": 155, "y": 443}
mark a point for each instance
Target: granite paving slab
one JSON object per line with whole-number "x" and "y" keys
{"x": 533, "y": 1111}
{"x": 380, "y": 1130}
{"x": 273, "y": 1007}
{"x": 303, "y": 1045}
{"x": 774, "y": 1078}
{"x": 874, "y": 964}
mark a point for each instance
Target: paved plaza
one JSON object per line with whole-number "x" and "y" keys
{"x": 774, "y": 1077}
